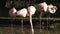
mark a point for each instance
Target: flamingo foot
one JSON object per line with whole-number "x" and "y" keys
{"x": 41, "y": 30}
{"x": 32, "y": 31}
{"x": 22, "y": 31}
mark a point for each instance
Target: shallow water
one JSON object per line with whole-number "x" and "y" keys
{"x": 16, "y": 29}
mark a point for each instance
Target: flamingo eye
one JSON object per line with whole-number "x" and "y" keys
{"x": 51, "y": 8}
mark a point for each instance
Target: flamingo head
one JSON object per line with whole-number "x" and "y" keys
{"x": 52, "y": 9}
{"x": 12, "y": 12}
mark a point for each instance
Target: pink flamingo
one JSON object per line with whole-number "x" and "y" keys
{"x": 22, "y": 13}
{"x": 43, "y": 7}
{"x": 12, "y": 13}
{"x": 51, "y": 9}
{"x": 27, "y": 12}
{"x": 31, "y": 12}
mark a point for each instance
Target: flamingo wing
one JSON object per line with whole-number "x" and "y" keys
{"x": 22, "y": 12}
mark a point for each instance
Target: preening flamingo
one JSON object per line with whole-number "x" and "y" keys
{"x": 51, "y": 9}
{"x": 43, "y": 7}
{"x": 12, "y": 13}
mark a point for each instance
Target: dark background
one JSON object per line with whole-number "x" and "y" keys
{"x": 19, "y": 4}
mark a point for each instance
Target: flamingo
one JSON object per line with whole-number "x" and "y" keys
{"x": 51, "y": 9}
{"x": 43, "y": 7}
{"x": 12, "y": 13}
{"x": 22, "y": 13}
{"x": 30, "y": 11}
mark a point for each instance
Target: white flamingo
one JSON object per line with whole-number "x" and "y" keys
{"x": 12, "y": 13}
{"x": 43, "y": 7}
{"x": 27, "y": 12}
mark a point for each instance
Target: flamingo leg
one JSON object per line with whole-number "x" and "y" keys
{"x": 22, "y": 25}
{"x": 12, "y": 30}
{"x": 47, "y": 23}
{"x": 31, "y": 24}
{"x": 40, "y": 22}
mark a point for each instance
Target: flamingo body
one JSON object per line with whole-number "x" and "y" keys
{"x": 42, "y": 7}
{"x": 22, "y": 12}
{"x": 31, "y": 10}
